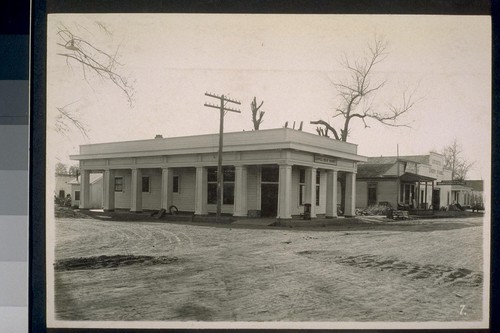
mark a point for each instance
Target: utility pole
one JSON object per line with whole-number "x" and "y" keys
{"x": 398, "y": 181}
{"x": 223, "y": 109}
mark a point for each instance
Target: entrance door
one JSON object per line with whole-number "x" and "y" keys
{"x": 435, "y": 199}
{"x": 269, "y": 200}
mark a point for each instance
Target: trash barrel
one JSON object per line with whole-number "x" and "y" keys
{"x": 307, "y": 211}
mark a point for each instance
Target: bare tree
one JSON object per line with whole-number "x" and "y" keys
{"x": 257, "y": 114}
{"x": 356, "y": 91}
{"x": 356, "y": 95}
{"x": 92, "y": 59}
{"x": 458, "y": 165}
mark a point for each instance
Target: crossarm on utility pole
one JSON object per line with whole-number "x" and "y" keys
{"x": 222, "y": 107}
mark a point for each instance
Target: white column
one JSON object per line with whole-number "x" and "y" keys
{"x": 85, "y": 189}
{"x": 166, "y": 188}
{"x": 285, "y": 192}
{"x": 200, "y": 204}
{"x": 331, "y": 193}
{"x": 108, "y": 183}
{"x": 350, "y": 195}
{"x": 240, "y": 191}
{"x": 136, "y": 191}
{"x": 311, "y": 189}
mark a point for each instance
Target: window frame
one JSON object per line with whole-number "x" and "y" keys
{"x": 302, "y": 187}
{"x": 227, "y": 186}
{"x": 211, "y": 185}
{"x": 318, "y": 186}
{"x": 372, "y": 186}
{"x": 148, "y": 184}
{"x": 118, "y": 186}
{"x": 174, "y": 184}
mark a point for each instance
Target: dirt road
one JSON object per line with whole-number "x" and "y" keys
{"x": 162, "y": 271}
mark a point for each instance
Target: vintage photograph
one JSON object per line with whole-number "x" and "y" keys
{"x": 268, "y": 171}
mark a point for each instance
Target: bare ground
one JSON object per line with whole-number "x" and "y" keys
{"x": 107, "y": 270}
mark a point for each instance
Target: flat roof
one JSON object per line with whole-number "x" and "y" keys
{"x": 271, "y": 139}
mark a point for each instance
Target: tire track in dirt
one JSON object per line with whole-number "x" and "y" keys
{"x": 439, "y": 274}
{"x": 118, "y": 238}
{"x": 103, "y": 262}
{"x": 257, "y": 275}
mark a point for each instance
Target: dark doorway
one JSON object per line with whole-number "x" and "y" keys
{"x": 269, "y": 200}
{"x": 435, "y": 199}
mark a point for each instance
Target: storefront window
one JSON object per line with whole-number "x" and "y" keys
{"x": 212, "y": 193}
{"x": 212, "y": 185}
{"x": 227, "y": 187}
{"x": 228, "y": 193}
{"x": 318, "y": 181}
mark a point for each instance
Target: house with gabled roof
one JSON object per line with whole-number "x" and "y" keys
{"x": 412, "y": 181}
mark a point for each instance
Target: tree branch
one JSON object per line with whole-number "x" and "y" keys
{"x": 327, "y": 126}
{"x": 61, "y": 124}
{"x": 93, "y": 58}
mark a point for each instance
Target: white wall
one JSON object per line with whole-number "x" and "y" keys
{"x": 122, "y": 199}
{"x": 62, "y": 184}
{"x": 184, "y": 200}
{"x": 386, "y": 191}
{"x": 96, "y": 194}
{"x": 151, "y": 199}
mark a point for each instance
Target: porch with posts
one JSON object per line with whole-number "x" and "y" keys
{"x": 414, "y": 192}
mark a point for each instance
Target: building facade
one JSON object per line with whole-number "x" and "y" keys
{"x": 95, "y": 190}
{"x": 415, "y": 181}
{"x": 265, "y": 173}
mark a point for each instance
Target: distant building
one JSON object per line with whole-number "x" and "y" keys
{"x": 63, "y": 186}
{"x": 415, "y": 181}
{"x": 95, "y": 191}
{"x": 265, "y": 173}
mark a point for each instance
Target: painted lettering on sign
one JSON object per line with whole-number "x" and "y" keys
{"x": 325, "y": 159}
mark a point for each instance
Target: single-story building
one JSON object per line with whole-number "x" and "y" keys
{"x": 265, "y": 173}
{"x": 95, "y": 191}
{"x": 457, "y": 192}
{"x": 393, "y": 181}
{"x": 416, "y": 181}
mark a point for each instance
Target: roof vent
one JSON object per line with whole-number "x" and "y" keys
{"x": 159, "y": 136}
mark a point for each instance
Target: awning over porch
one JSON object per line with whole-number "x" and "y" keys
{"x": 413, "y": 178}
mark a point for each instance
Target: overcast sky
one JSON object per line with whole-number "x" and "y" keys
{"x": 289, "y": 62}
